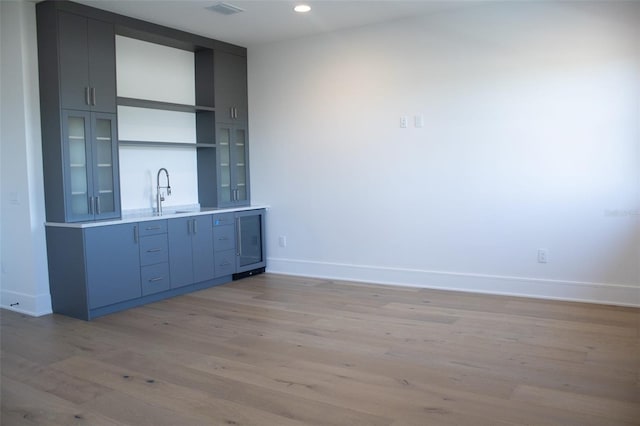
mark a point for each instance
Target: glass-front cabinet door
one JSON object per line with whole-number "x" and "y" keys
{"x": 223, "y": 147}
{"x": 241, "y": 195}
{"x": 91, "y": 166}
{"x": 78, "y": 177}
{"x": 105, "y": 167}
{"x": 233, "y": 166}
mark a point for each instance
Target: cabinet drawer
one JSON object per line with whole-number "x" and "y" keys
{"x": 225, "y": 262}
{"x": 154, "y": 249}
{"x": 223, "y": 219}
{"x": 155, "y": 278}
{"x": 152, "y": 227}
{"x": 224, "y": 238}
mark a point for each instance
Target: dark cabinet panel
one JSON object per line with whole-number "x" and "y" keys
{"x": 190, "y": 250}
{"x": 87, "y": 64}
{"x": 102, "y": 66}
{"x": 230, "y": 83}
{"x": 225, "y": 263}
{"x": 180, "y": 259}
{"x": 154, "y": 249}
{"x": 202, "y": 245}
{"x": 74, "y": 61}
{"x": 113, "y": 266}
{"x": 224, "y": 238}
{"x": 155, "y": 278}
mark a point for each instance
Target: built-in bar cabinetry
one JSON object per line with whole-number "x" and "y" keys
{"x": 104, "y": 268}
{"x": 77, "y": 68}
{"x": 98, "y": 262}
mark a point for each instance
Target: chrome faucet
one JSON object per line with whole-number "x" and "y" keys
{"x": 160, "y": 195}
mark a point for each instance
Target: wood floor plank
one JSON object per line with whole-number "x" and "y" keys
{"x": 283, "y": 350}
{"x": 25, "y": 405}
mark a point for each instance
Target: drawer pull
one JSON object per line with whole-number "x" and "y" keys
{"x": 225, "y": 264}
{"x": 154, "y": 250}
{"x": 152, "y": 228}
{"x": 156, "y": 279}
{"x": 223, "y": 238}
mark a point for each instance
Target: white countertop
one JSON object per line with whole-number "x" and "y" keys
{"x": 144, "y": 216}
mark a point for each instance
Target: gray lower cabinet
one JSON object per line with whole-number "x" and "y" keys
{"x": 190, "y": 250}
{"x": 224, "y": 243}
{"x": 91, "y": 268}
{"x": 154, "y": 257}
{"x": 98, "y": 270}
{"x": 113, "y": 266}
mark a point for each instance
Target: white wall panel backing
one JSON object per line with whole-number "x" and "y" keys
{"x": 530, "y": 140}
{"x": 143, "y": 124}
{"x": 140, "y": 166}
{"x": 151, "y": 71}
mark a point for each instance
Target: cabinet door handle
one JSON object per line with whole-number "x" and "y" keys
{"x": 195, "y": 226}
{"x": 93, "y": 96}
{"x": 189, "y": 227}
{"x": 155, "y": 279}
{"x": 235, "y": 113}
{"x": 87, "y": 96}
{"x": 238, "y": 236}
{"x": 154, "y": 250}
{"x": 98, "y": 205}
{"x": 90, "y": 205}
{"x": 135, "y": 234}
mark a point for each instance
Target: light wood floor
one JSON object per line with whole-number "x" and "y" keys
{"x": 276, "y": 350}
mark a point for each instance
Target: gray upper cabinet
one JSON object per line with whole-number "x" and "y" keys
{"x": 230, "y": 85}
{"x": 87, "y": 63}
{"x": 190, "y": 250}
{"x": 223, "y": 173}
{"x": 76, "y": 59}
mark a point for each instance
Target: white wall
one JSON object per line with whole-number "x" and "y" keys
{"x": 24, "y": 282}
{"x": 154, "y": 72}
{"x": 530, "y": 141}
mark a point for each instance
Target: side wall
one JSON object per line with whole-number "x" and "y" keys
{"x": 531, "y": 141}
{"x": 24, "y": 280}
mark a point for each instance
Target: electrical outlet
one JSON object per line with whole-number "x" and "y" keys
{"x": 543, "y": 255}
{"x": 282, "y": 241}
{"x": 404, "y": 122}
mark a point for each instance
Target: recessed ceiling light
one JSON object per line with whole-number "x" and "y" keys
{"x": 302, "y": 8}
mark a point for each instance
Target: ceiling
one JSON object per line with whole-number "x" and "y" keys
{"x": 265, "y": 21}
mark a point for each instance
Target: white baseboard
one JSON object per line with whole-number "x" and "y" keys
{"x": 613, "y": 294}
{"x": 28, "y": 304}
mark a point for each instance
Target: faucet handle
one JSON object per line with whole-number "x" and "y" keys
{"x": 168, "y": 190}
{"x": 161, "y": 196}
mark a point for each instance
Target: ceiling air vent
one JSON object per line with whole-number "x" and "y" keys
{"x": 225, "y": 8}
